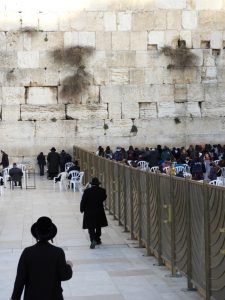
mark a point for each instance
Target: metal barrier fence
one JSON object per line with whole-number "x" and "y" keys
{"x": 181, "y": 222}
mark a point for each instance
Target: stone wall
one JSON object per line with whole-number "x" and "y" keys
{"x": 129, "y": 80}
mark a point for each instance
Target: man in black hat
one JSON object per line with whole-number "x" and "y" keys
{"x": 94, "y": 214}
{"x": 53, "y": 159}
{"x": 42, "y": 266}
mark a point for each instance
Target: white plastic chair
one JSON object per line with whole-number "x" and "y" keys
{"x": 77, "y": 181}
{"x": 179, "y": 169}
{"x": 63, "y": 182}
{"x": 143, "y": 165}
{"x": 216, "y": 161}
{"x": 154, "y": 169}
{"x": 23, "y": 168}
{"x": 68, "y": 165}
{"x": 74, "y": 176}
{"x": 216, "y": 182}
{"x": 6, "y": 176}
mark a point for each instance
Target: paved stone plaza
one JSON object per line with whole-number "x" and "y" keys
{"x": 116, "y": 270}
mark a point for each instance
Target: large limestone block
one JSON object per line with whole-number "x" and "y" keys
{"x": 211, "y": 72}
{"x": 156, "y": 38}
{"x": 70, "y": 39}
{"x": 170, "y": 110}
{"x": 91, "y": 95}
{"x": 111, "y": 94}
{"x": 37, "y": 77}
{"x": 124, "y": 21}
{"x": 47, "y": 41}
{"x": 213, "y": 109}
{"x": 47, "y": 60}
{"x": 8, "y": 59}
{"x": 180, "y": 92}
{"x": 147, "y": 110}
{"x": 171, "y": 4}
{"x": 119, "y": 76}
{"x": 195, "y": 92}
{"x": 110, "y": 21}
{"x": 48, "y": 21}
{"x": 151, "y": 58}
{"x": 186, "y": 36}
{"x": 59, "y": 130}
{"x": 189, "y": 19}
{"x": 160, "y": 19}
{"x": 210, "y": 20}
{"x": 41, "y": 95}
{"x": 120, "y": 40}
{"x": 15, "y": 77}
{"x": 64, "y": 21}
{"x": 51, "y": 77}
{"x": 9, "y": 20}
{"x": 2, "y": 41}
{"x": 193, "y": 109}
{"x": 28, "y": 59}
{"x": 120, "y": 59}
{"x": 137, "y": 93}
{"x": 209, "y": 5}
{"x": 137, "y": 76}
{"x": 119, "y": 128}
{"x": 214, "y": 93}
{"x": 88, "y": 111}
{"x": 87, "y": 21}
{"x": 103, "y": 40}
{"x": 17, "y": 132}
{"x": 115, "y": 110}
{"x": 86, "y": 39}
{"x": 101, "y": 76}
{"x": 174, "y": 19}
{"x": 164, "y": 93}
{"x": 221, "y": 74}
{"x": 216, "y": 41}
{"x": 142, "y": 21}
{"x": 171, "y": 37}
{"x": 138, "y": 40}
{"x": 50, "y": 113}
{"x": 208, "y": 59}
{"x": 15, "y": 41}
{"x": 97, "y": 60}
{"x": 10, "y": 113}
{"x": 13, "y": 95}
{"x": 130, "y": 109}
{"x": 156, "y": 75}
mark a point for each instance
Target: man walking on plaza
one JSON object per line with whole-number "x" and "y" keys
{"x": 42, "y": 266}
{"x": 94, "y": 214}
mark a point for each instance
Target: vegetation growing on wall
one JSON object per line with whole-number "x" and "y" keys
{"x": 76, "y": 84}
{"x": 181, "y": 57}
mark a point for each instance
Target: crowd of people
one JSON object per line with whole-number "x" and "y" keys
{"x": 204, "y": 161}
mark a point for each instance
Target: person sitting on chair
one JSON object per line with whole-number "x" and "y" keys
{"x": 16, "y": 175}
{"x": 75, "y": 167}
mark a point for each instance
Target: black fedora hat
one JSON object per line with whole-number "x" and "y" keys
{"x": 44, "y": 229}
{"x": 95, "y": 181}
{"x": 53, "y": 149}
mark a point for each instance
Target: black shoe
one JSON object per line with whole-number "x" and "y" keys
{"x": 99, "y": 242}
{"x": 93, "y": 244}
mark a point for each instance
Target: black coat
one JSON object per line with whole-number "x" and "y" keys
{"x": 92, "y": 207}
{"x": 41, "y": 159}
{"x": 41, "y": 269}
{"x": 53, "y": 162}
{"x": 5, "y": 161}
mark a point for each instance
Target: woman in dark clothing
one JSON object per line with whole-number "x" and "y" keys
{"x": 53, "y": 163}
{"x": 5, "y": 160}
{"x": 42, "y": 266}
{"x": 41, "y": 162}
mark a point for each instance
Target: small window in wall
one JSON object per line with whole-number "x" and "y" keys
{"x": 216, "y": 52}
{"x": 145, "y": 110}
{"x": 205, "y": 44}
{"x": 181, "y": 44}
{"x": 152, "y": 47}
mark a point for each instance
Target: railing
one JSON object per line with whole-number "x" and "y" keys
{"x": 181, "y": 222}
